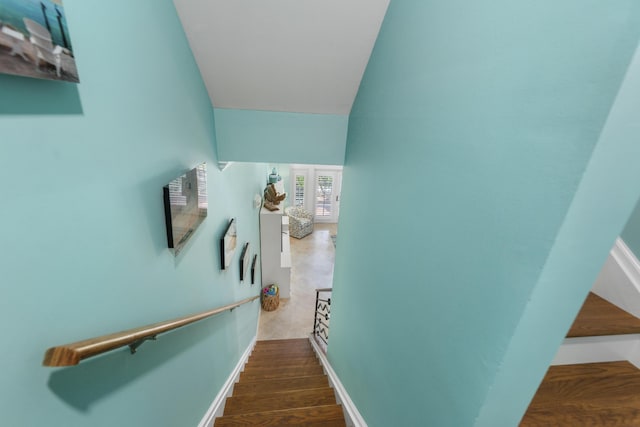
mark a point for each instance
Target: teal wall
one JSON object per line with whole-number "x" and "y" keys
{"x": 487, "y": 121}
{"x": 267, "y": 136}
{"x": 631, "y": 232}
{"x": 595, "y": 215}
{"x": 84, "y": 248}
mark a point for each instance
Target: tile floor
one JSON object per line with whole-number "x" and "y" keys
{"x": 312, "y": 260}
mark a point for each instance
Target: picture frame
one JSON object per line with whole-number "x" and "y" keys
{"x": 228, "y": 243}
{"x": 244, "y": 261}
{"x": 185, "y": 206}
{"x": 35, "y": 41}
{"x": 253, "y": 269}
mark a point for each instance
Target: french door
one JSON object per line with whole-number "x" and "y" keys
{"x": 326, "y": 197}
{"x": 317, "y": 190}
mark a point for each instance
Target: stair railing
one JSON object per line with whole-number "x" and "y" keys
{"x": 73, "y": 353}
{"x": 321, "y": 319}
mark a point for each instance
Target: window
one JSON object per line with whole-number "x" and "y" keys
{"x": 324, "y": 191}
{"x": 299, "y": 190}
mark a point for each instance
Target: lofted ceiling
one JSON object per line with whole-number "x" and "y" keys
{"x": 304, "y": 56}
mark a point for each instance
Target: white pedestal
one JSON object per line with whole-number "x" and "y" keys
{"x": 275, "y": 251}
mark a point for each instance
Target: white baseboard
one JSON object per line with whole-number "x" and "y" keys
{"x": 618, "y": 283}
{"x": 354, "y": 418}
{"x": 619, "y": 280}
{"x": 599, "y": 349}
{"x": 217, "y": 406}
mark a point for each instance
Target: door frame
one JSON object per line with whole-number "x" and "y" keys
{"x": 335, "y": 194}
{"x": 311, "y": 173}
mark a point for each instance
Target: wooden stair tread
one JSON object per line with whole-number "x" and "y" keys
{"x": 282, "y": 342}
{"x": 282, "y": 350}
{"x": 598, "y": 317}
{"x": 294, "y": 361}
{"x": 281, "y": 354}
{"x": 280, "y": 384}
{"x": 280, "y": 372}
{"x": 572, "y": 414}
{"x": 291, "y": 399}
{"x": 286, "y": 367}
{"x": 590, "y": 394}
{"x": 577, "y": 416}
{"x": 327, "y": 416}
{"x": 591, "y": 370}
{"x": 279, "y": 358}
{"x": 271, "y": 356}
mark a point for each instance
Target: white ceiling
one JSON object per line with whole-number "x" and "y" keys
{"x": 305, "y": 56}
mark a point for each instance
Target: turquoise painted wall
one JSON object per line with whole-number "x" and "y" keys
{"x": 631, "y": 232}
{"x": 594, "y": 217}
{"x": 84, "y": 248}
{"x": 487, "y": 120}
{"x": 278, "y": 137}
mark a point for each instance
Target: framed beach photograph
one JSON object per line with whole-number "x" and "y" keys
{"x": 35, "y": 40}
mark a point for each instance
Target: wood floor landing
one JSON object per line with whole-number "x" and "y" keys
{"x": 598, "y": 317}
{"x": 590, "y": 394}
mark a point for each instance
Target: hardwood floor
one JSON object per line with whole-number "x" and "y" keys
{"x": 599, "y": 317}
{"x": 590, "y": 394}
{"x": 283, "y": 384}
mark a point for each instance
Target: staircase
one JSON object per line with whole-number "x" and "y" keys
{"x": 590, "y": 394}
{"x": 282, "y": 384}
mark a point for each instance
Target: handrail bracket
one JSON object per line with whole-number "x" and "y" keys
{"x": 136, "y": 344}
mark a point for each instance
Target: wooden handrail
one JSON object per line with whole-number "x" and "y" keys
{"x": 72, "y": 354}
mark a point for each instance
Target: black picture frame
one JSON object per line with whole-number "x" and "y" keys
{"x": 244, "y": 261}
{"x": 228, "y": 243}
{"x": 253, "y": 269}
{"x": 185, "y": 206}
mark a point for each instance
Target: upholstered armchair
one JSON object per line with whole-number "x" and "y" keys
{"x": 300, "y": 221}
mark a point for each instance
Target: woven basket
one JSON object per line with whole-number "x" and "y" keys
{"x": 271, "y": 302}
